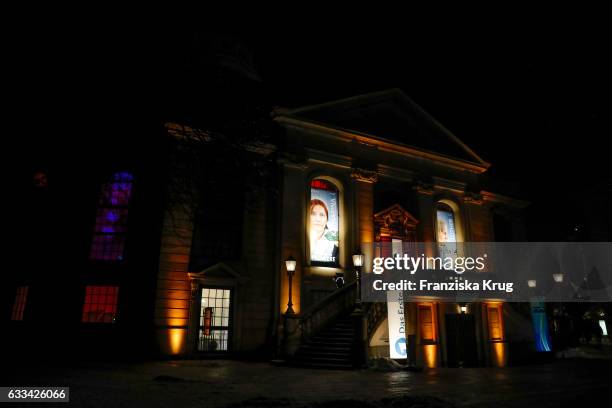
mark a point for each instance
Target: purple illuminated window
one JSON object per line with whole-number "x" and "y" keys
{"x": 111, "y": 219}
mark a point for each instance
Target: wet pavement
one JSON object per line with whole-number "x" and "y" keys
{"x": 206, "y": 383}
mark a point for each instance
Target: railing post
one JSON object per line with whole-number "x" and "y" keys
{"x": 359, "y": 348}
{"x": 292, "y": 334}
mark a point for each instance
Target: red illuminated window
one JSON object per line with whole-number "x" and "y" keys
{"x": 111, "y": 220}
{"x": 20, "y": 302}
{"x": 100, "y": 304}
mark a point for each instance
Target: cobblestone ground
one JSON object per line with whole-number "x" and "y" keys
{"x": 572, "y": 382}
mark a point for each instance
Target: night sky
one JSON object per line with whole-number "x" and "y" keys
{"x": 530, "y": 98}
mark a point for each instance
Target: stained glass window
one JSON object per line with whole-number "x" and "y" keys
{"x": 111, "y": 219}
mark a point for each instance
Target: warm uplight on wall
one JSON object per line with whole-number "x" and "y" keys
{"x": 176, "y": 339}
{"x": 430, "y": 355}
{"x": 463, "y": 309}
{"x": 500, "y": 354}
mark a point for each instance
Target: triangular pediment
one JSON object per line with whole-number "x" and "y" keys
{"x": 395, "y": 222}
{"x": 393, "y": 117}
{"x": 218, "y": 272}
{"x": 396, "y": 212}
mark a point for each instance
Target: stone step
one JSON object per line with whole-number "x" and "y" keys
{"x": 323, "y": 353}
{"x": 324, "y": 360}
{"x": 330, "y": 349}
{"x": 326, "y": 346}
{"x": 340, "y": 330}
{"x": 336, "y": 334}
{"x": 346, "y": 342}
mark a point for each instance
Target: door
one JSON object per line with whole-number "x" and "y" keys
{"x": 215, "y": 324}
{"x": 461, "y": 340}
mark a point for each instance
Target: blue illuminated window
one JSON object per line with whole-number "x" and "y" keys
{"x": 111, "y": 219}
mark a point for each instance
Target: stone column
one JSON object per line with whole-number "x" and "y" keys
{"x": 363, "y": 233}
{"x": 364, "y": 213}
{"x": 426, "y": 227}
{"x": 477, "y": 219}
{"x": 292, "y": 233}
{"x": 194, "y": 318}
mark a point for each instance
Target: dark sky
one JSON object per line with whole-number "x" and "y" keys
{"x": 523, "y": 103}
{"x": 529, "y": 97}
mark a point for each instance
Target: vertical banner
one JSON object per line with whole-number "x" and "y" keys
{"x": 323, "y": 223}
{"x": 446, "y": 234}
{"x": 446, "y": 226}
{"x": 397, "y": 324}
{"x": 395, "y": 316}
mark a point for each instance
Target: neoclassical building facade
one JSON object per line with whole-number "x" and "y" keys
{"x": 371, "y": 168}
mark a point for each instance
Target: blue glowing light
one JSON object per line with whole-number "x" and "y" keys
{"x": 112, "y": 216}
{"x": 540, "y": 327}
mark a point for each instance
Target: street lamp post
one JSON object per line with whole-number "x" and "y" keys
{"x": 358, "y": 263}
{"x": 290, "y": 265}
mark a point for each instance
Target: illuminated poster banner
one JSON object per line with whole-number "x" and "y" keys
{"x": 397, "y": 325}
{"x": 323, "y": 223}
{"x": 447, "y": 237}
{"x": 395, "y": 314}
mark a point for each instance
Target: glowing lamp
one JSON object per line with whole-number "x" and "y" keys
{"x": 290, "y": 264}
{"x": 358, "y": 262}
{"x": 358, "y": 259}
{"x": 531, "y": 283}
{"x": 558, "y": 277}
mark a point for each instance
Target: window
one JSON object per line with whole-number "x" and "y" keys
{"x": 496, "y": 331}
{"x": 427, "y": 323}
{"x": 100, "y": 304}
{"x": 215, "y": 318}
{"x": 219, "y": 223}
{"x": 323, "y": 220}
{"x": 446, "y": 231}
{"x": 111, "y": 219}
{"x": 20, "y": 303}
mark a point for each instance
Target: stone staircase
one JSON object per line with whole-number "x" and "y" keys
{"x": 332, "y": 348}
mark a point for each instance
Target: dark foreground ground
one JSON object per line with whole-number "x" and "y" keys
{"x": 569, "y": 382}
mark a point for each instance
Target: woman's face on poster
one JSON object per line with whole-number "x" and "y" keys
{"x": 318, "y": 220}
{"x": 442, "y": 232}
